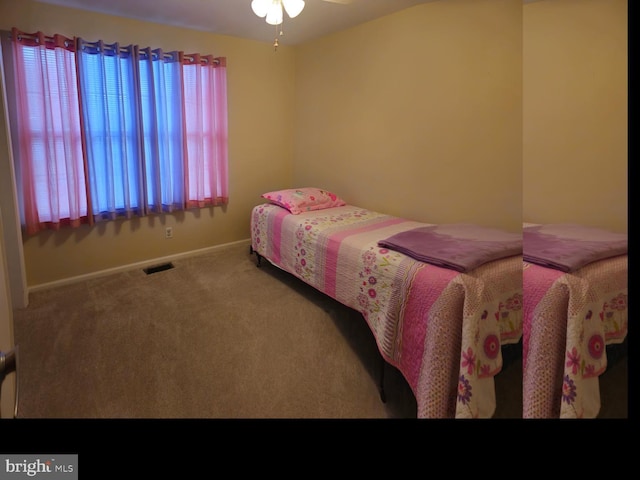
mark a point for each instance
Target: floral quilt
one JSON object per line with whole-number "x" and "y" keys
{"x": 441, "y": 328}
{"x": 569, "y": 319}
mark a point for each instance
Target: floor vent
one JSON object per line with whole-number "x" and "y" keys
{"x": 158, "y": 268}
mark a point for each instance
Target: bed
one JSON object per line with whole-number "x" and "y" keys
{"x": 575, "y": 311}
{"x": 442, "y": 326}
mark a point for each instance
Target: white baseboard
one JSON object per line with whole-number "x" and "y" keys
{"x": 131, "y": 266}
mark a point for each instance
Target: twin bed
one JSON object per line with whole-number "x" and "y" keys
{"x": 441, "y": 321}
{"x": 575, "y": 311}
{"x": 444, "y": 301}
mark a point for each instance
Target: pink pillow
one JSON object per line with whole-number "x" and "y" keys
{"x": 298, "y": 200}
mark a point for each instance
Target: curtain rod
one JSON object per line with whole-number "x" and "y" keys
{"x": 48, "y": 38}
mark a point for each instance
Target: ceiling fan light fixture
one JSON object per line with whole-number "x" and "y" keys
{"x": 261, "y": 7}
{"x": 271, "y": 10}
{"x": 293, "y": 7}
{"x": 275, "y": 15}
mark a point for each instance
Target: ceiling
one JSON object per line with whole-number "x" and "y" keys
{"x": 235, "y": 17}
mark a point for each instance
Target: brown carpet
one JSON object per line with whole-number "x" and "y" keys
{"x": 214, "y": 337}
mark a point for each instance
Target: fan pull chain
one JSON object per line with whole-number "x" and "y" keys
{"x": 276, "y": 43}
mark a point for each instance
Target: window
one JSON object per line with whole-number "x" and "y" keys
{"x": 138, "y": 131}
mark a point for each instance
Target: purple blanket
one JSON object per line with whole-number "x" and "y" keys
{"x": 569, "y": 247}
{"x": 458, "y": 246}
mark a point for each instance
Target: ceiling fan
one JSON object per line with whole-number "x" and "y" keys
{"x": 272, "y": 10}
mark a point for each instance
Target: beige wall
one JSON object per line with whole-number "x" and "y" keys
{"x": 260, "y": 105}
{"x": 418, "y": 114}
{"x": 575, "y": 112}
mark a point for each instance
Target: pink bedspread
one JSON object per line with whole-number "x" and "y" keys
{"x": 441, "y": 328}
{"x": 569, "y": 318}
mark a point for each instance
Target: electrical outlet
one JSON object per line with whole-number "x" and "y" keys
{"x": 168, "y": 232}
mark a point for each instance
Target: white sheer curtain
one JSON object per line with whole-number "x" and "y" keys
{"x": 49, "y": 157}
{"x": 112, "y": 125}
{"x": 162, "y": 119}
{"x": 205, "y": 93}
{"x": 138, "y": 131}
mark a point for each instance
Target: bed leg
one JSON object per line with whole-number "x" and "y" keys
{"x": 383, "y": 396}
{"x": 258, "y": 256}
